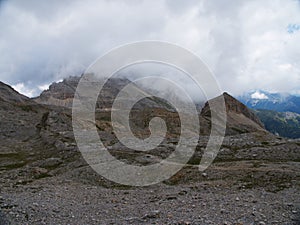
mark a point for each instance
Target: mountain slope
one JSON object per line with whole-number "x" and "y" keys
{"x": 30, "y": 136}
{"x": 9, "y": 95}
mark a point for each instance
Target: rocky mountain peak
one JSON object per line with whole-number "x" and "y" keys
{"x": 234, "y": 105}
{"x": 240, "y": 119}
{"x": 59, "y": 93}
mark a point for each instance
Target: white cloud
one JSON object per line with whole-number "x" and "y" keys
{"x": 43, "y": 87}
{"x": 258, "y": 95}
{"x": 285, "y": 67}
{"x": 20, "y": 87}
{"x": 247, "y": 44}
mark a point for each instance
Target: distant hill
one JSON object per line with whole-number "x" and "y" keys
{"x": 285, "y": 124}
{"x": 271, "y": 101}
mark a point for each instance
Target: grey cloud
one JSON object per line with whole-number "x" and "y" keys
{"x": 245, "y": 43}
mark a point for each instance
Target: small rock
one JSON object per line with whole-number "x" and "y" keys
{"x": 171, "y": 197}
{"x": 261, "y": 223}
{"x": 204, "y": 174}
{"x": 51, "y": 162}
{"x": 55, "y": 210}
{"x": 183, "y": 192}
{"x": 237, "y": 198}
{"x": 154, "y": 214}
{"x": 39, "y": 172}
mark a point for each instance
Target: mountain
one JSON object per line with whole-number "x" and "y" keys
{"x": 285, "y": 124}
{"x": 239, "y": 118}
{"x": 271, "y": 101}
{"x": 43, "y": 175}
{"x": 62, "y": 94}
{"x": 40, "y": 137}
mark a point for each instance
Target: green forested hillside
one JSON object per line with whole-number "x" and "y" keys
{"x": 285, "y": 124}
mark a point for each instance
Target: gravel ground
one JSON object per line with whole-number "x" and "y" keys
{"x": 57, "y": 200}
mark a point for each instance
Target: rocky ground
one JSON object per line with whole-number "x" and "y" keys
{"x": 232, "y": 193}
{"x": 248, "y": 183}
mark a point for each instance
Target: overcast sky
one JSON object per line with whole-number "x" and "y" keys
{"x": 247, "y": 44}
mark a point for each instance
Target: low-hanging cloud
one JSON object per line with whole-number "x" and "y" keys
{"x": 247, "y": 44}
